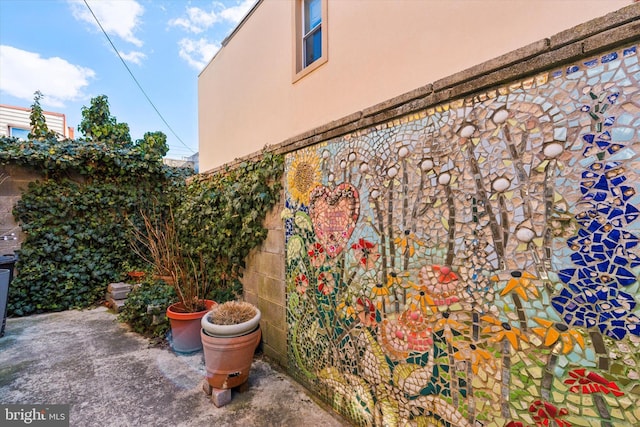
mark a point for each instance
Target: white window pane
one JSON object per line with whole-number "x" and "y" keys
{"x": 19, "y": 133}
{"x": 312, "y": 14}
{"x": 313, "y": 47}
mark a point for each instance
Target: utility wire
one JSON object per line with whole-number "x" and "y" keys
{"x": 134, "y": 78}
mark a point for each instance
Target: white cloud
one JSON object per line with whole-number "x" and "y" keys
{"x": 25, "y": 72}
{"x": 117, "y": 17}
{"x": 198, "y": 20}
{"x": 133, "y": 56}
{"x": 197, "y": 53}
{"x": 236, "y": 13}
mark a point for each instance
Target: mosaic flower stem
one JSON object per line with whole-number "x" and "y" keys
{"x": 549, "y": 193}
{"x": 475, "y": 330}
{"x": 351, "y": 277}
{"x": 296, "y": 353}
{"x": 451, "y": 238}
{"x": 471, "y": 403}
{"x": 506, "y": 379}
{"x": 601, "y": 351}
{"x": 405, "y": 193}
{"x": 601, "y": 406}
{"x": 414, "y": 214}
{"x": 333, "y": 323}
{"x": 522, "y": 317}
{"x": 383, "y": 244}
{"x": 548, "y": 374}
{"x": 504, "y": 219}
{"x": 342, "y": 266}
{"x": 392, "y": 248}
{"x": 484, "y": 203}
{"x": 454, "y": 375}
{"x": 475, "y": 335}
{"x": 516, "y": 156}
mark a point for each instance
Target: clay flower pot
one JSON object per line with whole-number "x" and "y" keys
{"x": 185, "y": 327}
{"x": 229, "y": 348}
{"x": 136, "y": 276}
{"x": 228, "y": 359}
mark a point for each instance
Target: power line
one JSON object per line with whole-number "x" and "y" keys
{"x": 134, "y": 78}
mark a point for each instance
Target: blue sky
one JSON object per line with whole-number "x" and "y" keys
{"x": 57, "y": 47}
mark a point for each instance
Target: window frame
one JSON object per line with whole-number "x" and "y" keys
{"x": 301, "y": 70}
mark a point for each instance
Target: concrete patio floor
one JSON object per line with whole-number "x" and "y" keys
{"x": 112, "y": 377}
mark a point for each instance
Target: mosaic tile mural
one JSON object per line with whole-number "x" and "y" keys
{"x": 476, "y": 263}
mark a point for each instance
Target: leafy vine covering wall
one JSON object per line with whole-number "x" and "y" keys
{"x": 476, "y": 263}
{"x": 77, "y": 219}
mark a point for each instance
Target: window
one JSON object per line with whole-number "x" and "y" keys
{"x": 310, "y": 27}
{"x": 19, "y": 132}
{"x": 312, "y": 38}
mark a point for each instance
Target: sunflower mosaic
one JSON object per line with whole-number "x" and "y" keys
{"x": 476, "y": 263}
{"x": 303, "y": 175}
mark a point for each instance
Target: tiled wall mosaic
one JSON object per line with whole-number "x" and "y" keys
{"x": 476, "y": 264}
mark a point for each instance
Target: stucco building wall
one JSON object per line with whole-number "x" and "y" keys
{"x": 247, "y": 97}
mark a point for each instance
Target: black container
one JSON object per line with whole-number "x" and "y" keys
{"x": 7, "y": 262}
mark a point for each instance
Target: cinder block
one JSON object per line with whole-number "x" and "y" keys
{"x": 274, "y": 243}
{"x": 250, "y": 297}
{"x": 271, "y": 265}
{"x": 220, "y": 397}
{"x": 242, "y": 387}
{"x": 275, "y": 355}
{"x": 275, "y": 336}
{"x": 206, "y": 387}
{"x": 272, "y": 312}
{"x": 116, "y": 304}
{"x": 272, "y": 220}
{"x": 119, "y": 294}
{"x": 272, "y": 289}
{"x": 250, "y": 281}
{"x": 118, "y": 287}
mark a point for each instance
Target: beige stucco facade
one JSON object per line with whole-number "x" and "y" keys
{"x": 377, "y": 49}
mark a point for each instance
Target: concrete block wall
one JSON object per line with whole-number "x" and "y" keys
{"x": 263, "y": 282}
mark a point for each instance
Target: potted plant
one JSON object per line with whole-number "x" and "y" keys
{"x": 159, "y": 244}
{"x": 230, "y": 334}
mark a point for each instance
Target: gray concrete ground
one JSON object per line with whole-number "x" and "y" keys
{"x": 112, "y": 377}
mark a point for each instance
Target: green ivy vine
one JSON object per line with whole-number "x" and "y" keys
{"x": 77, "y": 219}
{"x": 145, "y": 308}
{"x": 90, "y": 159}
{"x": 221, "y": 216}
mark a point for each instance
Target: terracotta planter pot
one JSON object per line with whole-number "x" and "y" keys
{"x": 228, "y": 359}
{"x": 136, "y": 276}
{"x": 185, "y": 327}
